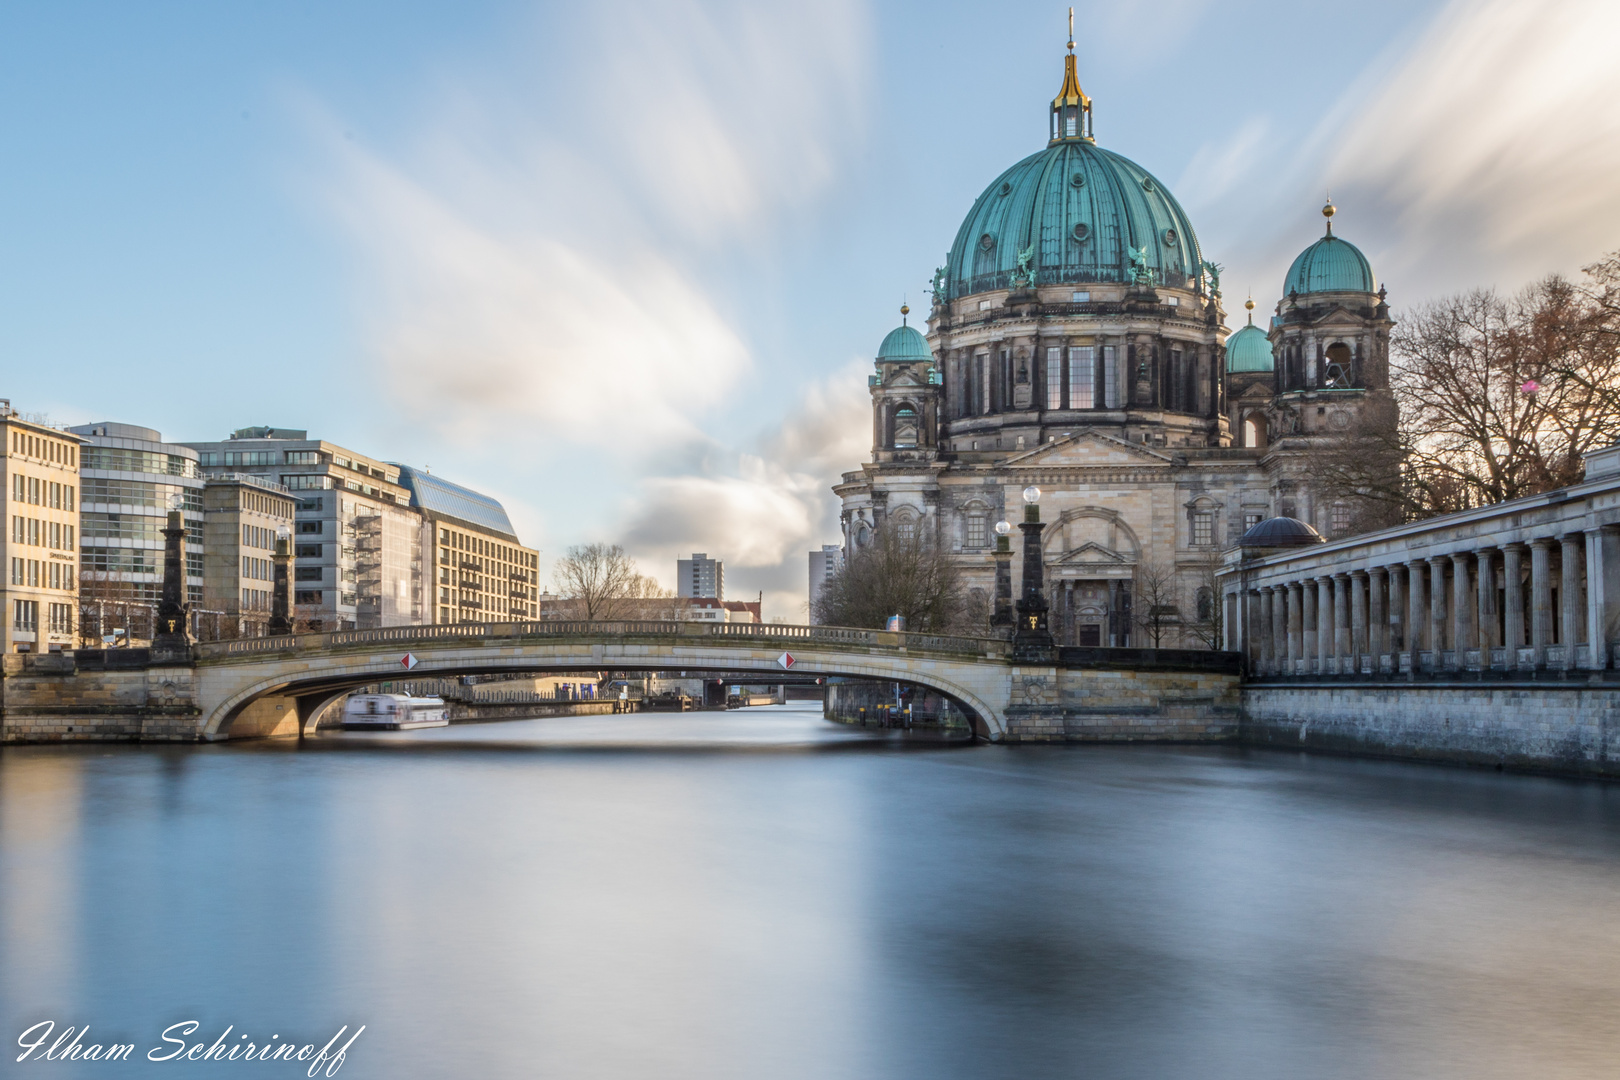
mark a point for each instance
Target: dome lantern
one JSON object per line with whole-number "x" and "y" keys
{"x": 1071, "y": 109}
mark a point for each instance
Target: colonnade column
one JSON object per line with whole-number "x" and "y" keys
{"x": 1417, "y": 611}
{"x": 1324, "y": 623}
{"x": 1437, "y": 610}
{"x": 1296, "y": 628}
{"x": 1597, "y": 631}
{"x": 1513, "y": 602}
{"x": 1540, "y": 599}
{"x": 1341, "y": 622}
{"x": 1378, "y": 578}
{"x": 1487, "y": 607}
{"x": 1268, "y": 639}
{"x": 1358, "y": 618}
{"x": 1397, "y": 613}
{"x": 1251, "y": 628}
{"x": 1307, "y": 592}
{"x": 1279, "y": 630}
{"x": 1462, "y": 614}
{"x": 1570, "y": 588}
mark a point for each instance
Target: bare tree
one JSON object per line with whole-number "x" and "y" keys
{"x": 1157, "y": 600}
{"x": 603, "y": 584}
{"x": 899, "y": 574}
{"x": 1208, "y": 618}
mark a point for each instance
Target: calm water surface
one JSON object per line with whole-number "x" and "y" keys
{"x": 764, "y": 895}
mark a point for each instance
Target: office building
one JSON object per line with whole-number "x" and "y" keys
{"x": 42, "y": 480}
{"x": 242, "y": 515}
{"x": 357, "y": 544}
{"x": 477, "y": 569}
{"x": 129, "y": 480}
{"x": 700, "y": 576}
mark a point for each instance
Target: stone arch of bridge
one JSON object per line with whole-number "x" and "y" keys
{"x": 316, "y": 685}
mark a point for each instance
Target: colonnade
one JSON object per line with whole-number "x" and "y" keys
{"x": 1534, "y": 605}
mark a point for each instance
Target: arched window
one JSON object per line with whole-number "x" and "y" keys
{"x": 1206, "y": 604}
{"x": 1254, "y": 430}
{"x": 1337, "y": 374}
{"x": 905, "y": 428}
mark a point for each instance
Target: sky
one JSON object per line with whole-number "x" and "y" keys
{"x": 624, "y": 266}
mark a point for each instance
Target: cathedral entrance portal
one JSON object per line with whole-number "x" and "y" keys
{"x": 1093, "y": 611}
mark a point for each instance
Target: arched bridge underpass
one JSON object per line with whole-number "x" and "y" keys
{"x": 232, "y": 677}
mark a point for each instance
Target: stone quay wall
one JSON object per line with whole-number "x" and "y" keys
{"x": 1566, "y": 727}
{"x": 43, "y": 699}
{"x": 1127, "y": 695}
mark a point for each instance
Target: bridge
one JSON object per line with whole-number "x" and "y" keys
{"x": 281, "y": 685}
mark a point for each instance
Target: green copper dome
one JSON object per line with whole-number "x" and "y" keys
{"x": 1078, "y": 211}
{"x": 1330, "y": 265}
{"x": 905, "y": 343}
{"x": 1248, "y": 350}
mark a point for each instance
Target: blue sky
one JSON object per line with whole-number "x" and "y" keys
{"x": 624, "y": 265}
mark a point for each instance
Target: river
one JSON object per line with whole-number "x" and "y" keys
{"x": 764, "y": 895}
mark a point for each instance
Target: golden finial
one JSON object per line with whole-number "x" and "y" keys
{"x": 905, "y": 310}
{"x": 1249, "y": 304}
{"x": 1071, "y": 29}
{"x": 1328, "y": 210}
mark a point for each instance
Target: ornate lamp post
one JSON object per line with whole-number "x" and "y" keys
{"x": 280, "y": 623}
{"x": 171, "y": 640}
{"x": 1033, "y": 641}
{"x": 1002, "y": 618}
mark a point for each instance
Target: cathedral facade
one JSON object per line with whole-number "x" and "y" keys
{"x": 1077, "y": 343}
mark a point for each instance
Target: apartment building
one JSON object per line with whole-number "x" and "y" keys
{"x": 823, "y": 565}
{"x": 700, "y": 576}
{"x": 39, "y": 595}
{"x": 478, "y": 569}
{"x": 242, "y": 516}
{"x": 357, "y": 543}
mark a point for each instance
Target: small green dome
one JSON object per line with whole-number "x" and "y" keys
{"x": 1248, "y": 350}
{"x": 905, "y": 343}
{"x": 1330, "y": 265}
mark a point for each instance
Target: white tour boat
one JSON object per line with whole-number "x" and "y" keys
{"x": 394, "y": 712}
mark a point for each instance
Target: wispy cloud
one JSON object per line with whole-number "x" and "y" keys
{"x": 545, "y": 277}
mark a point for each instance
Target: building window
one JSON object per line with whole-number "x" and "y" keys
{"x": 1082, "y": 376}
{"x": 308, "y": 551}
{"x": 307, "y": 573}
{"x": 312, "y": 596}
{"x": 1054, "y": 378}
{"x": 61, "y": 618}
{"x": 1110, "y": 379}
{"x": 309, "y": 528}
{"x": 303, "y": 457}
{"x": 975, "y": 531}
{"x": 306, "y": 481}
{"x": 1340, "y": 518}
{"x": 1203, "y": 529}
{"x": 18, "y": 570}
{"x": 25, "y": 615}
{"x": 1251, "y": 520}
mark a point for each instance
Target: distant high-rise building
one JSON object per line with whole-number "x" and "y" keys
{"x": 700, "y": 576}
{"x": 823, "y": 565}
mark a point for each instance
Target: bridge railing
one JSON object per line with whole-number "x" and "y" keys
{"x": 772, "y": 632}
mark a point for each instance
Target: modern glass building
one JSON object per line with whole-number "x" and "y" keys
{"x": 128, "y": 480}
{"x": 480, "y": 571}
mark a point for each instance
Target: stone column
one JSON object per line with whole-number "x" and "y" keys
{"x": 1541, "y": 614}
{"x": 1597, "y": 635}
{"x": 1462, "y": 609}
{"x": 1377, "y": 615}
{"x": 1486, "y": 580}
{"x": 1570, "y": 594}
{"x": 1358, "y": 618}
{"x": 1308, "y": 626}
{"x": 1417, "y": 611}
{"x": 1279, "y": 629}
{"x": 1513, "y": 601}
{"x": 1324, "y": 623}
{"x": 1296, "y": 628}
{"x": 1268, "y": 639}
{"x": 1396, "y": 630}
{"x": 1437, "y": 610}
{"x": 1341, "y": 622}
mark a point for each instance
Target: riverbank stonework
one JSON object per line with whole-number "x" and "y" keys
{"x": 1552, "y": 727}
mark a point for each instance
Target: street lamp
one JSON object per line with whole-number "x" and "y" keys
{"x": 1032, "y": 643}
{"x": 280, "y": 623}
{"x": 171, "y": 642}
{"x": 1001, "y": 618}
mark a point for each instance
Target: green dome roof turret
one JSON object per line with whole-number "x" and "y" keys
{"x": 1330, "y": 265}
{"x": 1248, "y": 349}
{"x": 905, "y": 344}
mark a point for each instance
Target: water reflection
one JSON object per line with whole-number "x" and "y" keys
{"x": 762, "y": 894}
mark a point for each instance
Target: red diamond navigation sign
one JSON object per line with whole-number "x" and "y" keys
{"x": 408, "y": 661}
{"x": 786, "y": 660}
